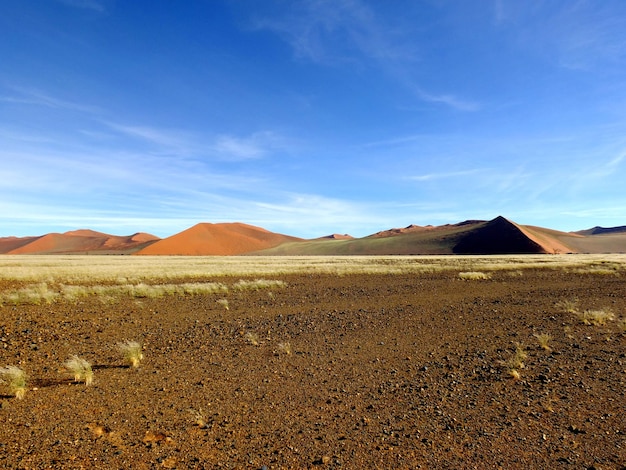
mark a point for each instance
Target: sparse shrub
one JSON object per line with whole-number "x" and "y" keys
{"x": 596, "y": 317}
{"x": 132, "y": 352}
{"x": 223, "y": 303}
{"x": 16, "y": 379}
{"x": 544, "y": 340}
{"x": 81, "y": 369}
{"x": 252, "y": 338}
{"x": 474, "y": 276}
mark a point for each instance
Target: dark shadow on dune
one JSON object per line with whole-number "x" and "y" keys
{"x": 496, "y": 237}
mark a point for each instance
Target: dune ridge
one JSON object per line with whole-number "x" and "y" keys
{"x": 496, "y": 236}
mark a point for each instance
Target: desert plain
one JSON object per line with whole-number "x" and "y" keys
{"x": 316, "y": 362}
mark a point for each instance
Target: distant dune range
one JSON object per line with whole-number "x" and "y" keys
{"x": 497, "y": 236}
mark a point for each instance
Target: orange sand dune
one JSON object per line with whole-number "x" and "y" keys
{"x": 550, "y": 240}
{"x": 217, "y": 239}
{"x": 8, "y": 244}
{"x": 82, "y": 241}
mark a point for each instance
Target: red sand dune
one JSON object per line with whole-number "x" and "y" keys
{"x": 217, "y": 239}
{"x": 79, "y": 241}
{"x": 8, "y": 244}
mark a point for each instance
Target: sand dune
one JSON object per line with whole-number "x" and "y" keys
{"x": 77, "y": 241}
{"x": 217, "y": 239}
{"x": 497, "y": 236}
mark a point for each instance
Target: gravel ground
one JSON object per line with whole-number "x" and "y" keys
{"x": 367, "y": 371}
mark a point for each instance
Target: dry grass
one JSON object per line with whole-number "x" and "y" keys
{"x": 132, "y": 352}
{"x": 544, "y": 341}
{"x": 223, "y": 303}
{"x": 252, "y": 338}
{"x": 16, "y": 380}
{"x": 80, "y": 369}
{"x": 515, "y": 363}
{"x": 121, "y": 270}
{"x": 474, "y": 276}
{"x": 285, "y": 348}
{"x": 598, "y": 317}
{"x": 568, "y": 306}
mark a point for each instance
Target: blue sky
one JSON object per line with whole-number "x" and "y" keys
{"x": 310, "y": 117}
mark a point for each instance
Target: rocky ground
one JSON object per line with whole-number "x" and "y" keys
{"x": 361, "y": 371}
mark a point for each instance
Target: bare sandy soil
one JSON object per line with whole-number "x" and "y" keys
{"x": 380, "y": 371}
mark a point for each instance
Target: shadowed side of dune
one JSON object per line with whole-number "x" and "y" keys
{"x": 498, "y": 236}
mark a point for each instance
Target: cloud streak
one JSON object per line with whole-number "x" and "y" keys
{"x": 349, "y": 32}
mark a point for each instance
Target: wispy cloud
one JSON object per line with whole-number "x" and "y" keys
{"x": 444, "y": 175}
{"x": 450, "y": 100}
{"x": 32, "y": 96}
{"x": 256, "y": 145}
{"x": 226, "y": 147}
{"x": 335, "y": 31}
{"x": 579, "y": 35}
{"x": 348, "y": 32}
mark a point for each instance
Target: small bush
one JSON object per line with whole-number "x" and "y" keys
{"x": 16, "y": 379}
{"x": 223, "y": 303}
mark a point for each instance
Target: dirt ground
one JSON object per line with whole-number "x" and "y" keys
{"x": 360, "y": 371}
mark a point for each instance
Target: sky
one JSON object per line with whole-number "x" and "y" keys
{"x": 310, "y": 117}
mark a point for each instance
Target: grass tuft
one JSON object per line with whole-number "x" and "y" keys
{"x": 544, "y": 341}
{"x": 568, "y": 306}
{"x": 596, "y": 317}
{"x": 132, "y": 352}
{"x": 252, "y": 338}
{"x": 474, "y": 276}
{"x": 81, "y": 369}
{"x": 516, "y": 362}
{"x": 16, "y": 379}
{"x": 285, "y": 348}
